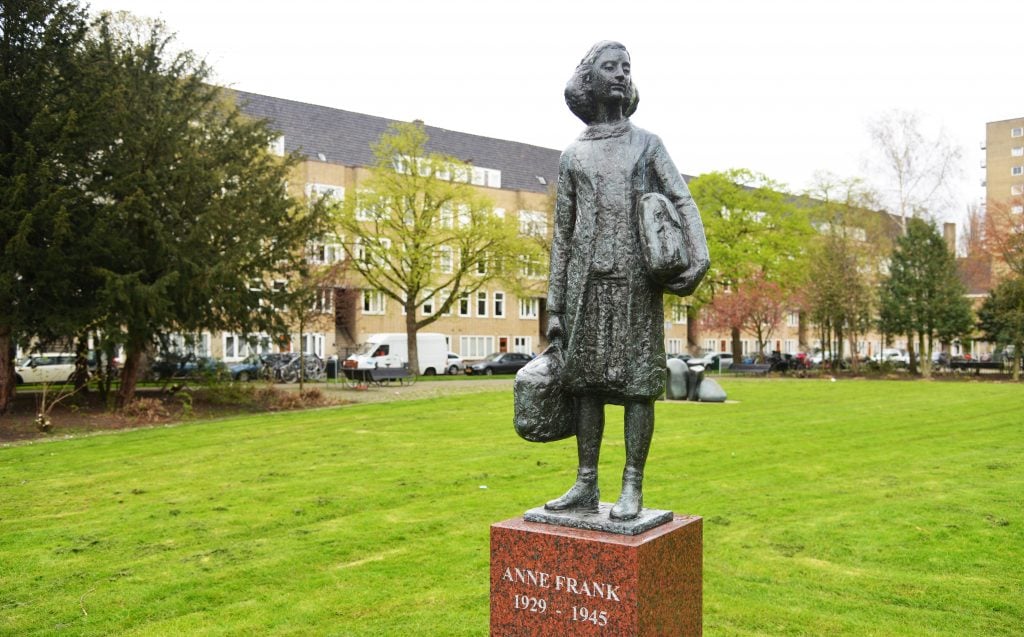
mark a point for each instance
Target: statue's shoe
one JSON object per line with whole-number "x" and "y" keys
{"x": 583, "y": 496}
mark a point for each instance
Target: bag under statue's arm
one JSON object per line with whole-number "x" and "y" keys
{"x": 674, "y": 188}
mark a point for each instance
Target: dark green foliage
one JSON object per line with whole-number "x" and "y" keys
{"x": 136, "y": 200}
{"x": 923, "y": 296}
{"x": 1001, "y": 318}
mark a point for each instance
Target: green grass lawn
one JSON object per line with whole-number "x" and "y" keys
{"x": 847, "y": 508}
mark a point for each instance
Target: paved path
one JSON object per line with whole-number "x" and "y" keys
{"x": 416, "y": 391}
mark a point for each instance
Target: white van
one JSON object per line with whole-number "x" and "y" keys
{"x": 390, "y": 350}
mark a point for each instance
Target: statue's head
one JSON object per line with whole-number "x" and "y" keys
{"x": 587, "y": 85}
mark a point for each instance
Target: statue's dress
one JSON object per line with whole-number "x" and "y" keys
{"x": 612, "y": 313}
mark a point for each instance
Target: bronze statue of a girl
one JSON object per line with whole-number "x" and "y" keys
{"x": 605, "y": 308}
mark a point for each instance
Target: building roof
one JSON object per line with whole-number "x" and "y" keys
{"x": 345, "y": 137}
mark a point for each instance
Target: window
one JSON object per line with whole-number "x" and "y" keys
{"x": 479, "y": 176}
{"x": 499, "y": 213}
{"x": 465, "y": 215}
{"x": 475, "y": 346}
{"x": 1017, "y": 151}
{"x": 1016, "y": 132}
{"x": 481, "y": 303}
{"x": 522, "y": 344}
{"x": 235, "y": 347}
{"x": 325, "y": 191}
{"x": 499, "y": 305}
{"x": 793, "y": 319}
{"x": 677, "y": 312}
{"x": 481, "y": 265}
{"x": 1017, "y": 170}
{"x": 325, "y": 252}
{"x": 530, "y": 267}
{"x": 446, "y": 216}
{"x": 373, "y": 302}
{"x": 365, "y": 206}
{"x": 441, "y": 300}
{"x": 323, "y": 301}
{"x": 428, "y": 303}
{"x": 790, "y": 346}
{"x": 445, "y": 259}
{"x": 464, "y": 305}
{"x": 277, "y": 146}
{"x": 1017, "y": 209}
{"x": 313, "y": 344}
{"x": 1016, "y": 190}
{"x": 529, "y": 308}
{"x": 709, "y": 345}
{"x": 533, "y": 223}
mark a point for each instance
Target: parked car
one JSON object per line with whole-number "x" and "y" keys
{"x": 896, "y": 357}
{"x": 499, "y": 363}
{"x": 44, "y": 368}
{"x": 719, "y": 360}
{"x": 247, "y": 369}
{"x": 455, "y": 364}
{"x": 182, "y": 367}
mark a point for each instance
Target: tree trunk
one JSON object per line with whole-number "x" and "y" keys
{"x": 129, "y": 376}
{"x": 910, "y": 353}
{"x": 1018, "y": 352}
{"x": 302, "y": 356}
{"x": 81, "y": 373}
{"x": 410, "y": 337}
{"x": 926, "y": 355}
{"x": 693, "y": 330}
{"x": 801, "y": 331}
{"x": 737, "y": 346}
{"x": 7, "y": 384}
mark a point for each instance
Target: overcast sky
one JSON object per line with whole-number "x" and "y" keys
{"x": 783, "y": 87}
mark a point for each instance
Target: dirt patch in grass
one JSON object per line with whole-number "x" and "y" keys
{"x": 88, "y": 412}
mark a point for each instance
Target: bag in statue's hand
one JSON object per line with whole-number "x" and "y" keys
{"x": 544, "y": 411}
{"x": 661, "y": 238}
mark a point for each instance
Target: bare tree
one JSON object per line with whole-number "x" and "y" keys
{"x": 915, "y": 171}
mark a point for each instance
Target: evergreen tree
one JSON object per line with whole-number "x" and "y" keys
{"x": 42, "y": 213}
{"x": 1001, "y": 319}
{"x": 923, "y": 296}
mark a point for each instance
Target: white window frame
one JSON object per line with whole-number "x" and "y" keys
{"x": 277, "y": 146}
{"x": 1016, "y": 190}
{"x": 533, "y": 223}
{"x": 427, "y": 307}
{"x": 677, "y": 313}
{"x": 1017, "y": 132}
{"x": 315, "y": 340}
{"x": 445, "y": 260}
{"x": 471, "y": 346}
{"x": 1016, "y": 171}
{"x": 499, "y": 304}
{"x": 522, "y": 344}
{"x": 481, "y": 302}
{"x": 465, "y": 305}
{"x": 529, "y": 308}
{"x": 331, "y": 192}
{"x": 1017, "y": 151}
{"x": 793, "y": 319}
{"x": 372, "y": 302}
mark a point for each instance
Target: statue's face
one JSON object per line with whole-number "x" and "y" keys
{"x": 610, "y": 79}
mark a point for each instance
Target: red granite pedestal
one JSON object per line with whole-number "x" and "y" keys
{"x": 549, "y": 580}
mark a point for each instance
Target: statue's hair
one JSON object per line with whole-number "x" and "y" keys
{"x": 578, "y": 93}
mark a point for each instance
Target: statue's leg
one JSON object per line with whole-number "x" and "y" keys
{"x": 639, "y": 431}
{"x": 584, "y": 495}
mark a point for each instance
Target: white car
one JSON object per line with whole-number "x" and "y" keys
{"x": 455, "y": 364}
{"x": 896, "y": 357}
{"x": 45, "y": 368}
